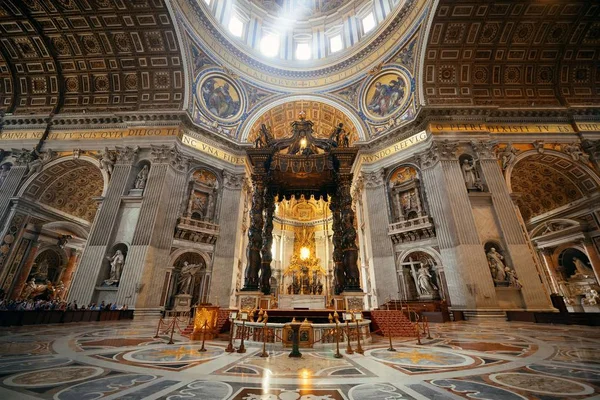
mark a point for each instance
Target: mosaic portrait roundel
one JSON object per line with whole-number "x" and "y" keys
{"x": 386, "y": 94}
{"x": 220, "y": 97}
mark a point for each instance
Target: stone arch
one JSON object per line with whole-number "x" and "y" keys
{"x": 428, "y": 256}
{"x": 55, "y": 260}
{"x": 68, "y": 186}
{"x": 201, "y": 281}
{"x": 201, "y": 202}
{"x": 549, "y": 181}
{"x": 249, "y": 124}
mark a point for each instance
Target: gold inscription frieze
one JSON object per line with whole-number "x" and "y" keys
{"x": 21, "y": 135}
{"x": 112, "y": 133}
{"x": 395, "y": 148}
{"x": 213, "y": 151}
{"x": 444, "y": 127}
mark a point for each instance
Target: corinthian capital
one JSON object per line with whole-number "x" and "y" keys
{"x": 373, "y": 179}
{"x": 160, "y": 154}
{"x": 126, "y": 155}
{"x": 485, "y": 149}
{"x": 233, "y": 181}
{"x": 177, "y": 160}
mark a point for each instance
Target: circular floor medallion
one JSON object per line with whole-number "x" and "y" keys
{"x": 173, "y": 354}
{"x": 542, "y": 384}
{"x": 53, "y": 377}
{"x": 413, "y": 357}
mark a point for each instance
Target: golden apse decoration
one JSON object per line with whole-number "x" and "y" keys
{"x": 324, "y": 117}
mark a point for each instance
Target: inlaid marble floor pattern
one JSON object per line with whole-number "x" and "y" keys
{"x": 466, "y": 360}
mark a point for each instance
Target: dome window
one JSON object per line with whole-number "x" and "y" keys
{"x": 303, "y": 51}
{"x": 335, "y": 43}
{"x": 368, "y": 22}
{"x": 269, "y": 45}
{"x": 236, "y": 26}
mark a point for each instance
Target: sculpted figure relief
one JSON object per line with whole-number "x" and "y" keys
{"x": 470, "y": 175}
{"x": 424, "y": 280}
{"x": 496, "y": 263}
{"x": 141, "y": 178}
{"x": 4, "y": 170}
{"x": 581, "y": 268}
{"x": 508, "y": 155}
{"x": 116, "y": 268}
{"x": 107, "y": 161}
{"x": 184, "y": 283}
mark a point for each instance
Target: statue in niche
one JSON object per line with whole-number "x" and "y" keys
{"x": 184, "y": 283}
{"x": 511, "y": 276}
{"x": 116, "y": 268}
{"x": 582, "y": 269}
{"x": 470, "y": 175}
{"x": 496, "y": 263}
{"x": 424, "y": 280}
{"x": 141, "y": 178}
{"x": 107, "y": 161}
{"x": 4, "y": 170}
{"x": 199, "y": 206}
{"x": 508, "y": 155}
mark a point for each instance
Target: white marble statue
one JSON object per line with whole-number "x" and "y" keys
{"x": 141, "y": 178}
{"x": 508, "y": 155}
{"x": 582, "y": 269}
{"x": 496, "y": 265}
{"x": 184, "y": 283}
{"x": 4, "y": 170}
{"x": 511, "y": 275}
{"x": 116, "y": 267}
{"x": 470, "y": 175}
{"x": 107, "y": 161}
{"x": 592, "y": 298}
{"x": 424, "y": 280}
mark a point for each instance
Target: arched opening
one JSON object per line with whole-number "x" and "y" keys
{"x": 547, "y": 182}
{"x": 190, "y": 281}
{"x": 420, "y": 276}
{"x": 61, "y": 206}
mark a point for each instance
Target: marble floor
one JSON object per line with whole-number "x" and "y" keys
{"x": 465, "y": 360}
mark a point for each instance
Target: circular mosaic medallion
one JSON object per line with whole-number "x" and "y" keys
{"x": 542, "y": 384}
{"x": 53, "y": 377}
{"x": 412, "y": 357}
{"x": 386, "y": 95}
{"x": 219, "y": 96}
{"x": 173, "y": 354}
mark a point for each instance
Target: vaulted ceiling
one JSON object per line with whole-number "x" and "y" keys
{"x": 513, "y": 53}
{"x": 98, "y": 56}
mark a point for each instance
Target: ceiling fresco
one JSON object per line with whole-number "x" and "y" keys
{"x": 516, "y": 54}
{"x": 74, "y": 55}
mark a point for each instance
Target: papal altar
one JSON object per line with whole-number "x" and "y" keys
{"x": 311, "y": 302}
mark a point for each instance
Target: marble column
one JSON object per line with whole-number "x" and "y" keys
{"x": 8, "y": 189}
{"x": 379, "y": 244}
{"x": 524, "y": 263}
{"x": 465, "y": 264}
{"x": 147, "y": 260}
{"x": 25, "y": 270}
{"x": 350, "y": 249}
{"x": 593, "y": 256}
{"x": 267, "y": 243}
{"x": 338, "y": 254}
{"x": 67, "y": 275}
{"x": 230, "y": 239}
{"x": 551, "y": 268}
{"x": 255, "y": 230}
{"x": 87, "y": 276}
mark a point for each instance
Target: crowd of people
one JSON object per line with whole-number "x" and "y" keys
{"x": 49, "y": 305}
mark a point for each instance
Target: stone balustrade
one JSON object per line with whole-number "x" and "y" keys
{"x": 323, "y": 334}
{"x": 196, "y": 231}
{"x": 412, "y": 230}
